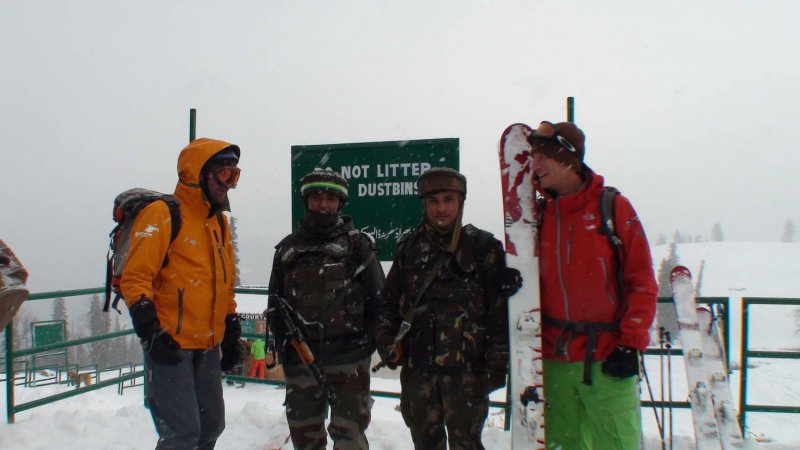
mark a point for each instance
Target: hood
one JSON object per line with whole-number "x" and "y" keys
{"x": 190, "y": 163}
{"x": 194, "y": 157}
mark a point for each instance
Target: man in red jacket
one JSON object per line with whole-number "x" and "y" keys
{"x": 597, "y": 309}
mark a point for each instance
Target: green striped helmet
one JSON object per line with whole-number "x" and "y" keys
{"x": 323, "y": 180}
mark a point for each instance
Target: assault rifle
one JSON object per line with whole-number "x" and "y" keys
{"x": 395, "y": 351}
{"x": 296, "y": 338}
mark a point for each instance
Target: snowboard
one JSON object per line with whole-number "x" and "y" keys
{"x": 526, "y": 389}
{"x": 706, "y": 432}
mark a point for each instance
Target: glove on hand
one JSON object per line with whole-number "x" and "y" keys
{"x": 509, "y": 280}
{"x": 155, "y": 341}
{"x": 231, "y": 353}
{"x": 494, "y": 381}
{"x": 623, "y": 362}
{"x": 163, "y": 349}
{"x": 497, "y": 363}
{"x": 384, "y": 340}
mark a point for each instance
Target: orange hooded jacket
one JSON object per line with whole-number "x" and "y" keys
{"x": 193, "y": 292}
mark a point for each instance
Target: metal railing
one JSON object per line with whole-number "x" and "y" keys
{"x": 11, "y": 354}
{"x": 724, "y": 314}
{"x": 129, "y": 372}
{"x": 746, "y": 354}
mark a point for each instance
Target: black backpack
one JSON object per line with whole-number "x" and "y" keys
{"x": 127, "y": 206}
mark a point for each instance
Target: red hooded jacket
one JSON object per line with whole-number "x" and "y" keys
{"x": 578, "y": 274}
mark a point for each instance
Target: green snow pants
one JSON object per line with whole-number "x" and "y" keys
{"x": 605, "y": 415}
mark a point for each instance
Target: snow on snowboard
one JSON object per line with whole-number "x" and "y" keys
{"x": 714, "y": 417}
{"x": 519, "y": 208}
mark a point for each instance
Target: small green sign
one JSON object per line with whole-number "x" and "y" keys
{"x": 48, "y": 332}
{"x": 382, "y": 192}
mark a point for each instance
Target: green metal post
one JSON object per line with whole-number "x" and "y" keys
{"x": 10, "y": 372}
{"x": 570, "y": 109}
{"x": 192, "y": 124}
{"x": 743, "y": 368}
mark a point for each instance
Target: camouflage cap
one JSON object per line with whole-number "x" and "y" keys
{"x": 440, "y": 179}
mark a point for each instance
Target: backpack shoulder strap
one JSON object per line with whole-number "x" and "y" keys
{"x": 609, "y": 229}
{"x": 607, "y": 217}
{"x": 175, "y": 216}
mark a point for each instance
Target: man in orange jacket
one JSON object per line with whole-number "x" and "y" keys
{"x": 180, "y": 297}
{"x": 597, "y": 308}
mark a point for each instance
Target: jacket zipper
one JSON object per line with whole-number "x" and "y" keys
{"x": 569, "y": 245}
{"x": 561, "y": 276}
{"x": 604, "y": 266}
{"x": 214, "y": 341}
{"x": 180, "y": 311}
{"x": 221, "y": 259}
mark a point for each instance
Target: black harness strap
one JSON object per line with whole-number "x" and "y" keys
{"x": 590, "y": 329}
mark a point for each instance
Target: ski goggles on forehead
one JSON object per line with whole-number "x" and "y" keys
{"x": 227, "y": 175}
{"x": 547, "y": 131}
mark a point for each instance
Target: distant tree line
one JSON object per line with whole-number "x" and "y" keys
{"x": 679, "y": 237}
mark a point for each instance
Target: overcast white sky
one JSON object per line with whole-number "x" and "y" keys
{"x": 690, "y": 107}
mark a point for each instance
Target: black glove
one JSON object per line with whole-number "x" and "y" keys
{"x": 509, "y": 280}
{"x": 231, "y": 353}
{"x": 494, "y": 381}
{"x": 155, "y": 341}
{"x": 623, "y": 362}
{"x": 271, "y": 359}
{"x": 163, "y": 349}
{"x": 497, "y": 363}
{"x": 384, "y": 340}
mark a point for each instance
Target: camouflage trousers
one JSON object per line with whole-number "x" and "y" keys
{"x": 432, "y": 401}
{"x": 307, "y": 407}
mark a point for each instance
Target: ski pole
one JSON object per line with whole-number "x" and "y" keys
{"x": 652, "y": 399}
{"x": 668, "y": 339}
{"x": 661, "y": 362}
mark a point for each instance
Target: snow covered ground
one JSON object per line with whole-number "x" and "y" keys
{"x": 104, "y": 420}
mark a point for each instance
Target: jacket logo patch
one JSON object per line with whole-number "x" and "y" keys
{"x": 148, "y": 231}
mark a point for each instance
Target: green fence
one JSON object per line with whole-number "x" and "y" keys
{"x": 746, "y": 354}
{"x": 18, "y": 372}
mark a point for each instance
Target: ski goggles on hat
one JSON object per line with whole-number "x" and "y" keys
{"x": 227, "y": 175}
{"x": 547, "y": 131}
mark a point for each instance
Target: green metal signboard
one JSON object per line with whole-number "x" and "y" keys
{"x": 382, "y": 193}
{"x": 48, "y": 332}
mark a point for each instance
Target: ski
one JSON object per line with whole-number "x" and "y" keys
{"x": 525, "y": 334}
{"x": 727, "y": 419}
{"x": 706, "y": 431}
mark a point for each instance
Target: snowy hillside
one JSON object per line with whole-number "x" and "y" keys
{"x": 103, "y": 420}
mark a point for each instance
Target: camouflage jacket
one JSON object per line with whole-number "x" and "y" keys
{"x": 460, "y": 320}
{"x": 333, "y": 281}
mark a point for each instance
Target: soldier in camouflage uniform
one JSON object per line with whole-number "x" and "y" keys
{"x": 329, "y": 274}
{"x": 456, "y": 350}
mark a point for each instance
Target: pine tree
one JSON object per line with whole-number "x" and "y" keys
{"x": 699, "y": 284}
{"x": 59, "y": 309}
{"x": 788, "y": 231}
{"x": 99, "y": 324}
{"x": 662, "y": 239}
{"x": 665, "y": 312}
{"x": 235, "y": 243}
{"x": 664, "y": 269}
{"x": 716, "y": 233}
{"x": 60, "y": 313}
